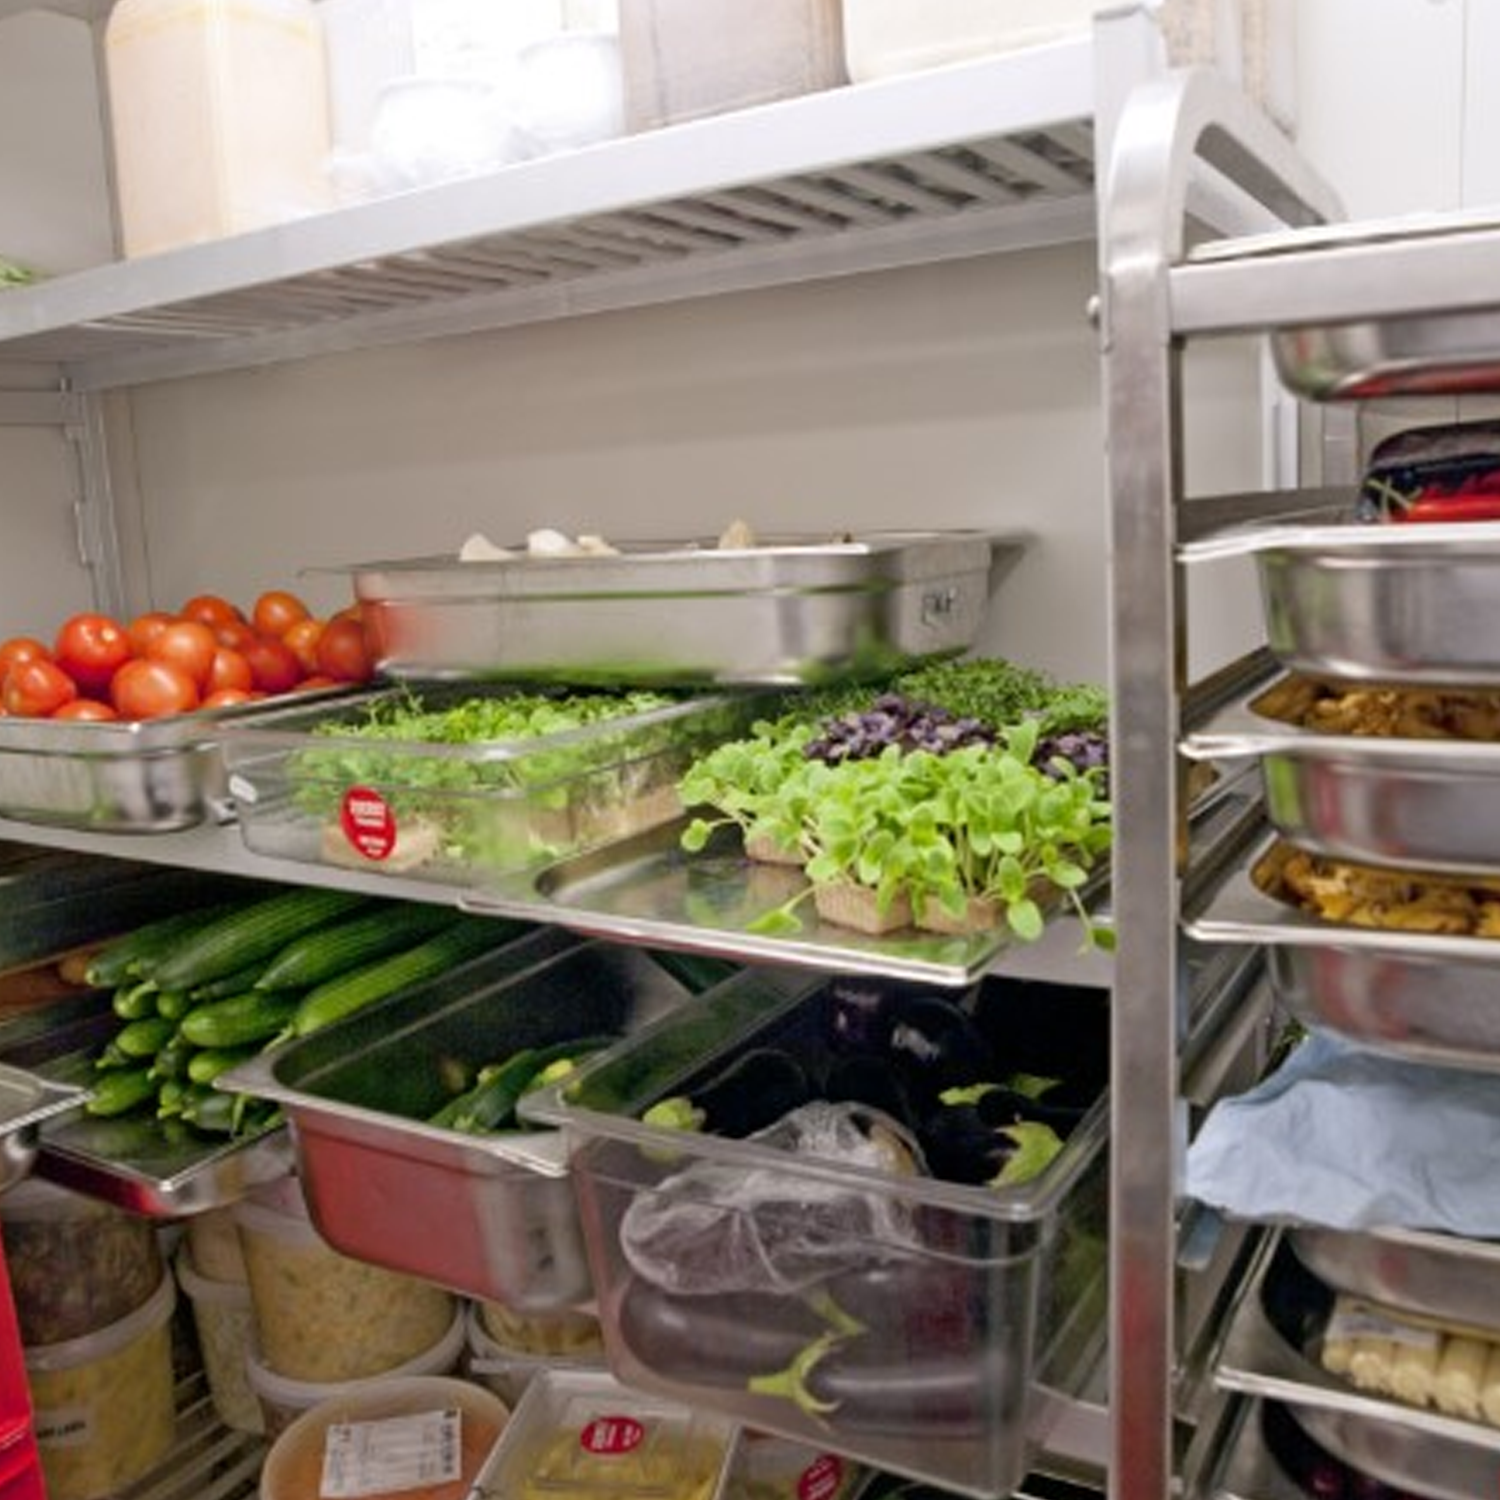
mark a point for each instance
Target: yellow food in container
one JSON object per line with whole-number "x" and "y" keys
{"x": 104, "y": 1411}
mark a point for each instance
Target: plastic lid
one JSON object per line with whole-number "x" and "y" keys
{"x": 35, "y": 1198}
{"x": 283, "y": 1392}
{"x": 149, "y": 1316}
{"x": 204, "y": 1288}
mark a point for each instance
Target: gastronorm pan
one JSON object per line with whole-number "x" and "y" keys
{"x": 25, "y": 1102}
{"x": 129, "y": 1161}
{"x": 140, "y": 776}
{"x": 1429, "y": 997}
{"x": 1421, "y": 804}
{"x": 491, "y": 1216}
{"x": 1441, "y": 1276}
{"x": 1382, "y": 603}
{"x": 1269, "y": 1352}
{"x": 796, "y": 609}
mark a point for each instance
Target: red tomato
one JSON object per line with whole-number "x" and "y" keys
{"x": 36, "y": 689}
{"x": 211, "y": 610}
{"x": 316, "y": 682}
{"x": 188, "y": 645}
{"x": 276, "y": 611}
{"x": 21, "y": 648}
{"x": 146, "y": 689}
{"x": 89, "y": 648}
{"x": 343, "y": 652}
{"x": 229, "y": 669}
{"x": 302, "y": 640}
{"x": 228, "y": 697}
{"x": 145, "y": 628}
{"x": 236, "y": 634}
{"x": 273, "y": 665}
{"x": 89, "y": 710}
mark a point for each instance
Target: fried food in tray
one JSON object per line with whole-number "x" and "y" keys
{"x": 1376, "y": 710}
{"x": 1363, "y": 896}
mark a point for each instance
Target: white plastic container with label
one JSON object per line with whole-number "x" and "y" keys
{"x": 218, "y": 116}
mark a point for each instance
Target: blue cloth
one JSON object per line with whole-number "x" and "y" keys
{"x": 1346, "y": 1138}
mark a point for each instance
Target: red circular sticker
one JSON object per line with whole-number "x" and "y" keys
{"x": 612, "y": 1435}
{"x": 368, "y": 823}
{"x": 821, "y": 1478}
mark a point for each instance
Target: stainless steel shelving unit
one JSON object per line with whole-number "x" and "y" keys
{"x": 976, "y": 160}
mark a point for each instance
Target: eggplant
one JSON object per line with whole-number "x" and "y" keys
{"x": 724, "y": 1340}
{"x": 961, "y": 1145}
{"x": 860, "y": 1014}
{"x": 753, "y": 1091}
{"x": 870, "y": 1080}
{"x": 937, "y": 1046}
{"x": 1004, "y": 1106}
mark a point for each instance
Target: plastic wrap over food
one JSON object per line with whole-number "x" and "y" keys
{"x": 1346, "y": 1138}
{"x": 721, "y": 1227}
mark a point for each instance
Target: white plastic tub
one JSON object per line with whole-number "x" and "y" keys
{"x": 104, "y": 1411}
{"x": 225, "y": 1322}
{"x": 507, "y": 1370}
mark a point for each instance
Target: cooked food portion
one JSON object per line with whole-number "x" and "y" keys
{"x": 1375, "y": 710}
{"x": 1363, "y": 896}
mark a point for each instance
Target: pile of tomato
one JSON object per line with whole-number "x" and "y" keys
{"x": 209, "y": 654}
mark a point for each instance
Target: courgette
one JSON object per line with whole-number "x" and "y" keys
{"x": 120, "y": 1090}
{"x": 121, "y": 958}
{"x": 253, "y": 932}
{"x": 361, "y": 939}
{"x": 335, "y": 999}
{"x": 239, "y": 1021}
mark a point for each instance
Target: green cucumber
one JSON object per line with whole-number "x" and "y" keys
{"x": 123, "y": 957}
{"x": 239, "y": 1021}
{"x": 135, "y": 1000}
{"x": 249, "y": 933}
{"x": 174, "y": 1004}
{"x": 228, "y": 984}
{"x": 206, "y": 1064}
{"x": 361, "y": 939}
{"x": 491, "y": 1104}
{"x": 172, "y": 1060}
{"x": 466, "y": 938}
{"x": 143, "y": 1039}
{"x": 121, "y": 1090}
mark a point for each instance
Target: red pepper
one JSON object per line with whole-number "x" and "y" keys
{"x": 1450, "y": 507}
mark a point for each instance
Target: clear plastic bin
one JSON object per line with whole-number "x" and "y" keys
{"x": 461, "y": 814}
{"x": 962, "y": 1298}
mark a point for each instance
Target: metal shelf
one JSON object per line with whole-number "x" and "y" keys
{"x": 984, "y": 157}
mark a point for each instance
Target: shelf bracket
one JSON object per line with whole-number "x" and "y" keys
{"x": 95, "y": 531}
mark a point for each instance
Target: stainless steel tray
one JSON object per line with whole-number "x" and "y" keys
{"x": 1426, "y": 996}
{"x": 1421, "y": 804}
{"x": 796, "y": 609}
{"x": 1443, "y": 1457}
{"x": 648, "y": 890}
{"x": 129, "y": 1161}
{"x": 1372, "y": 603}
{"x": 146, "y": 776}
{"x": 1453, "y": 1280}
{"x": 25, "y": 1102}
{"x": 488, "y": 1216}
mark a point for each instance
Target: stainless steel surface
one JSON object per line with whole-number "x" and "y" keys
{"x": 1421, "y": 804}
{"x": 791, "y": 609}
{"x": 1167, "y": 127}
{"x": 1443, "y": 1457}
{"x": 1439, "y": 1276}
{"x": 646, "y": 889}
{"x": 1244, "y": 1467}
{"x": 130, "y": 1161}
{"x": 26, "y": 1101}
{"x": 148, "y": 776}
{"x": 1426, "y": 996}
{"x": 379, "y": 1179}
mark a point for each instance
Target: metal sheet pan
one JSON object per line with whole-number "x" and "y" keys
{"x": 797, "y": 609}
{"x": 129, "y": 1161}
{"x": 1441, "y": 1276}
{"x": 145, "y": 776}
{"x": 25, "y": 1102}
{"x": 647, "y": 890}
{"x": 1429, "y": 997}
{"x": 1420, "y": 804}
{"x": 1411, "y": 1447}
{"x": 1372, "y": 603}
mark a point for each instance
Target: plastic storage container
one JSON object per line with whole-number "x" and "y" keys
{"x": 507, "y": 1369}
{"x": 104, "y": 1402}
{"x": 464, "y": 814}
{"x": 213, "y": 1240}
{"x": 585, "y": 1434}
{"x": 280, "y": 1401}
{"x": 706, "y": 1249}
{"x": 320, "y": 1316}
{"x": 77, "y": 1265}
{"x": 225, "y": 1323}
{"x": 423, "y": 1436}
{"x": 688, "y": 58}
{"x": 219, "y": 117}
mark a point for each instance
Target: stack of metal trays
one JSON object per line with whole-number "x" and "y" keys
{"x": 784, "y": 609}
{"x": 1271, "y": 1351}
{"x": 25, "y": 1102}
